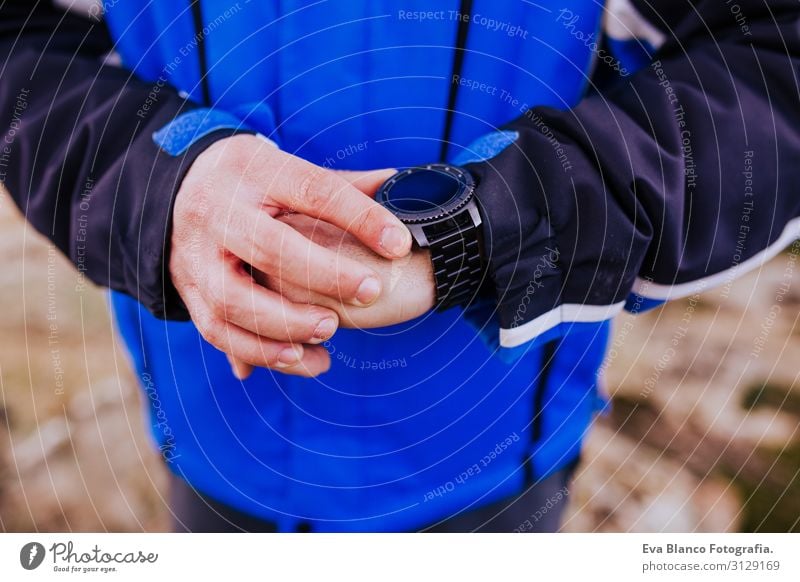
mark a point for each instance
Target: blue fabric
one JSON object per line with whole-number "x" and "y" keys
{"x": 636, "y": 303}
{"x": 632, "y": 54}
{"x": 570, "y": 396}
{"x": 178, "y": 135}
{"x": 486, "y": 147}
{"x": 405, "y": 428}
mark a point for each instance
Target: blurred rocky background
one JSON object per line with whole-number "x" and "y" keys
{"x": 703, "y": 433}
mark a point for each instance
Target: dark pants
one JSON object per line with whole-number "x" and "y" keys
{"x": 538, "y": 509}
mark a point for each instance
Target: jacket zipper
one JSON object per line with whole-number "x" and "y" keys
{"x": 548, "y": 358}
{"x": 197, "y": 16}
{"x": 465, "y": 16}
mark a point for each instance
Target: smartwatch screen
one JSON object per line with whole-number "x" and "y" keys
{"x": 425, "y": 191}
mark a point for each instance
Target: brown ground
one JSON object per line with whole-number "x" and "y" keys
{"x": 706, "y": 440}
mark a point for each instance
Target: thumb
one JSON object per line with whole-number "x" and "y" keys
{"x": 367, "y": 181}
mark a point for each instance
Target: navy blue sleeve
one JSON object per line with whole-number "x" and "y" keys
{"x": 657, "y": 186}
{"x": 78, "y": 155}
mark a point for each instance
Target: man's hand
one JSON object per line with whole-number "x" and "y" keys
{"x": 408, "y": 285}
{"x": 225, "y": 222}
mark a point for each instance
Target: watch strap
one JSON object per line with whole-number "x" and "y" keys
{"x": 455, "y": 250}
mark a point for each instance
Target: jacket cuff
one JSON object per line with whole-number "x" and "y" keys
{"x": 176, "y": 137}
{"x": 523, "y": 246}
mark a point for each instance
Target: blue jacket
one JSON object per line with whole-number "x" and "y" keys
{"x": 454, "y": 410}
{"x": 412, "y": 423}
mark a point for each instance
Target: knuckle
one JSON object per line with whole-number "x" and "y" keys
{"x": 237, "y": 309}
{"x": 368, "y": 220}
{"x": 262, "y": 353}
{"x": 244, "y": 308}
{"x": 216, "y": 297}
{"x": 263, "y": 257}
{"x": 343, "y": 280}
{"x": 316, "y": 189}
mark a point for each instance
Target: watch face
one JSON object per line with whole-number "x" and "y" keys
{"x": 426, "y": 193}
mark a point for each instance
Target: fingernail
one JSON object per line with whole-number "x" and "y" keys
{"x": 289, "y": 357}
{"x": 395, "y": 240}
{"x": 325, "y": 329}
{"x": 368, "y": 291}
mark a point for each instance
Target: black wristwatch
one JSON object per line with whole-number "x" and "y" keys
{"x": 437, "y": 203}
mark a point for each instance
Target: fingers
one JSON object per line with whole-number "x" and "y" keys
{"x": 278, "y": 249}
{"x": 231, "y": 295}
{"x": 245, "y": 345}
{"x": 239, "y": 369}
{"x": 246, "y": 348}
{"x": 323, "y": 194}
{"x": 249, "y": 348}
{"x": 316, "y": 361}
{"x": 238, "y": 342}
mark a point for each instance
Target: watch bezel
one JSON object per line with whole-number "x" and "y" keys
{"x": 456, "y": 202}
